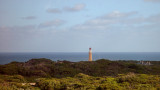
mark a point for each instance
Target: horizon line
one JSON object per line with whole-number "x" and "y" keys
{"x": 82, "y": 52}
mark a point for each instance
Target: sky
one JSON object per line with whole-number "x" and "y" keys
{"x": 76, "y": 25}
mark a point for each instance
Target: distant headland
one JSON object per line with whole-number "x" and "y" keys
{"x": 47, "y": 68}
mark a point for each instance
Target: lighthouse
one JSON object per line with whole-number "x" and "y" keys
{"x": 90, "y": 55}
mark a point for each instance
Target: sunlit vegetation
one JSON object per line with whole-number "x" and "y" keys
{"x": 65, "y": 75}
{"x": 14, "y": 82}
{"x": 82, "y": 81}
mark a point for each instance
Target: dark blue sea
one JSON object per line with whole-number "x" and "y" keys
{"x": 79, "y": 56}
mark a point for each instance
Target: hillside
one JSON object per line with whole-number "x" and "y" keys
{"x": 45, "y": 74}
{"x": 48, "y": 68}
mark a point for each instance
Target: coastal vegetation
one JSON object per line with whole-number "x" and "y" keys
{"x": 65, "y": 75}
{"x": 58, "y": 69}
{"x": 81, "y": 81}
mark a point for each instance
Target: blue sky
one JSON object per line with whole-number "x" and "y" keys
{"x": 76, "y": 25}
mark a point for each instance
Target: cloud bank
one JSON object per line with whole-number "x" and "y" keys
{"x": 118, "y": 20}
{"x": 54, "y": 10}
{"x": 29, "y": 17}
{"x": 152, "y": 0}
{"x": 77, "y": 7}
{"x": 115, "y": 31}
{"x": 53, "y": 23}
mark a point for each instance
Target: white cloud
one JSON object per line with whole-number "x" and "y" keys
{"x": 106, "y": 21}
{"x": 53, "y": 10}
{"x": 154, "y": 18}
{"x": 118, "y": 20}
{"x": 29, "y": 17}
{"x": 152, "y": 0}
{"x": 16, "y": 28}
{"x": 118, "y": 31}
{"x": 77, "y": 7}
{"x": 122, "y": 32}
{"x": 117, "y": 14}
{"x": 53, "y": 23}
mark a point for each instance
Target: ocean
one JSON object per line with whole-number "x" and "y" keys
{"x": 79, "y": 56}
